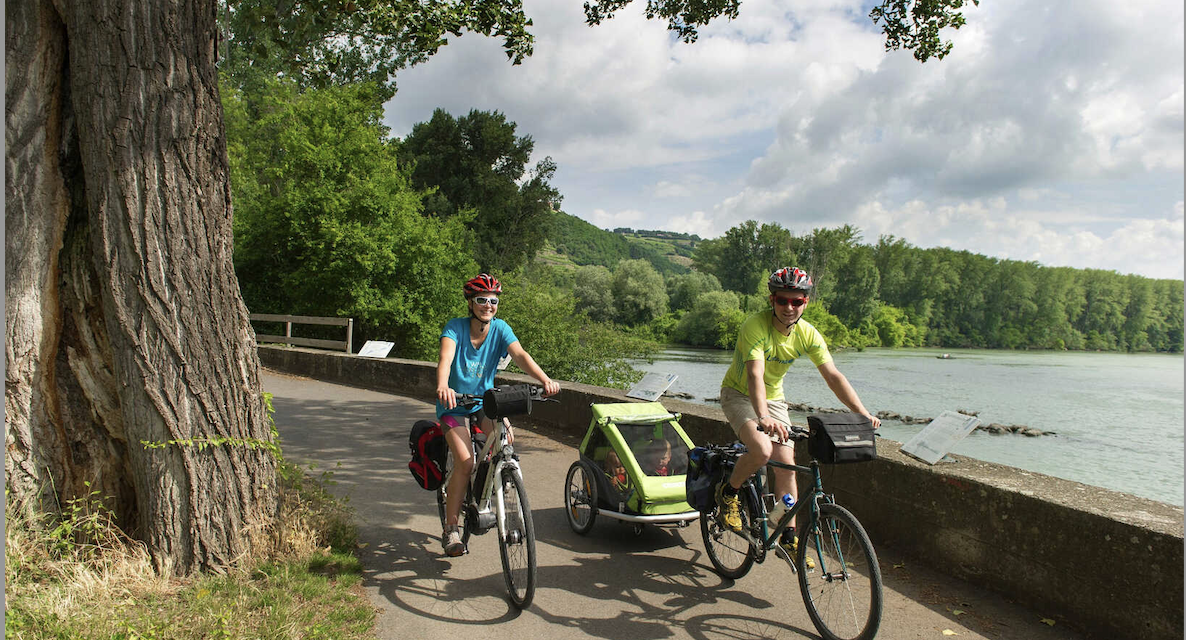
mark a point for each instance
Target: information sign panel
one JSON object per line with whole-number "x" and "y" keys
{"x": 375, "y": 349}
{"x": 651, "y": 386}
{"x": 940, "y": 436}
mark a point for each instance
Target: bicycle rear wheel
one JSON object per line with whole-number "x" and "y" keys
{"x": 516, "y": 542}
{"x": 731, "y": 553}
{"x": 843, "y": 592}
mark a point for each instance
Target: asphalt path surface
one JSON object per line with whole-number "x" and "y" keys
{"x": 609, "y": 583}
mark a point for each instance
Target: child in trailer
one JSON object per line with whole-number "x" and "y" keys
{"x": 660, "y": 453}
{"x": 616, "y": 471}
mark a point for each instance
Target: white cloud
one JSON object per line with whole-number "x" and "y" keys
{"x": 626, "y": 218}
{"x": 1052, "y": 132}
{"x": 695, "y": 223}
{"x": 1147, "y": 246}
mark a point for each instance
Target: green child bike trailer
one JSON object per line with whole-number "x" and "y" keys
{"x": 631, "y": 467}
{"x": 838, "y": 438}
{"x": 429, "y": 452}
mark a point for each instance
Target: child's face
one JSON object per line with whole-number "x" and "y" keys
{"x": 665, "y": 456}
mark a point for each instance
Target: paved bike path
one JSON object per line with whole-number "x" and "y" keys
{"x": 609, "y": 584}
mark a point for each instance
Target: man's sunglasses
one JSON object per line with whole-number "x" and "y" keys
{"x": 484, "y": 300}
{"x": 794, "y": 302}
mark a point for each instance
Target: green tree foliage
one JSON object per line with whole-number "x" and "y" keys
{"x": 327, "y": 224}
{"x": 683, "y": 289}
{"x": 585, "y": 244}
{"x": 477, "y": 163}
{"x": 593, "y": 293}
{"x": 639, "y": 293}
{"x": 894, "y": 294}
{"x": 327, "y": 43}
{"x": 823, "y": 254}
{"x": 834, "y": 332}
{"x": 563, "y": 341}
{"x": 854, "y": 296}
{"x": 745, "y": 256}
{"x": 713, "y": 321}
{"x": 894, "y": 328}
{"x": 913, "y": 25}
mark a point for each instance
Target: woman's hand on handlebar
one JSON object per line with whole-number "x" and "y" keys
{"x": 447, "y": 397}
{"x": 551, "y": 387}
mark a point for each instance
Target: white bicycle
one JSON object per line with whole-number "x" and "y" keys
{"x": 495, "y": 496}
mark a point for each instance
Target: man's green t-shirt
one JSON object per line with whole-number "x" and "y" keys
{"x": 758, "y": 339}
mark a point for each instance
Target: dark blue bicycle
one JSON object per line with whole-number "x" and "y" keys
{"x": 842, "y": 591}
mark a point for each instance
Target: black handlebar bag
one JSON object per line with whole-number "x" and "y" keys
{"x": 838, "y": 438}
{"x": 503, "y": 402}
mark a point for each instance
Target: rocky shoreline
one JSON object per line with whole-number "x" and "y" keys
{"x": 993, "y": 428}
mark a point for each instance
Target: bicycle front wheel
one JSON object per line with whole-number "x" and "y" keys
{"x": 516, "y": 542}
{"x": 843, "y": 591}
{"x": 730, "y": 552}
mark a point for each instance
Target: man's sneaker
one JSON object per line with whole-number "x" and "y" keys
{"x": 730, "y": 507}
{"x": 789, "y": 544}
{"x": 451, "y": 540}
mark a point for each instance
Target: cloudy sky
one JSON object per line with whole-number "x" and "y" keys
{"x": 1053, "y": 132}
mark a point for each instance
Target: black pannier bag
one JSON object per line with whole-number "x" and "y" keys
{"x": 837, "y": 438}
{"x": 503, "y": 402}
{"x": 706, "y": 468}
{"x": 429, "y": 454}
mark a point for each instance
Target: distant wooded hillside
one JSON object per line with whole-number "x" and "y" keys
{"x": 586, "y": 244}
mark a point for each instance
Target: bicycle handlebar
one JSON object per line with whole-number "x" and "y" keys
{"x": 501, "y": 402}
{"x": 537, "y": 394}
{"x": 794, "y": 432}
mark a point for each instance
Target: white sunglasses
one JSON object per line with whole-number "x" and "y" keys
{"x": 484, "y": 300}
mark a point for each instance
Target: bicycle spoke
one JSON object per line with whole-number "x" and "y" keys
{"x": 729, "y": 551}
{"x": 843, "y": 593}
{"x": 516, "y": 542}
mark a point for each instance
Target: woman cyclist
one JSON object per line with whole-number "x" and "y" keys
{"x": 470, "y": 350}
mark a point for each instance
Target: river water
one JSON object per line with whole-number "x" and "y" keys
{"x": 1117, "y": 418}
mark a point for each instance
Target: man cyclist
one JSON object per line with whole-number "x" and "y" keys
{"x": 768, "y": 343}
{"x": 470, "y": 351}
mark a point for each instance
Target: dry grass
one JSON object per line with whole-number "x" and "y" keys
{"x": 80, "y": 577}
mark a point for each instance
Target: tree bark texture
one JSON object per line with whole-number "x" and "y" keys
{"x": 124, "y": 322}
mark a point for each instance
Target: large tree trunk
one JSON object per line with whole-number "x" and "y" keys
{"x": 124, "y": 323}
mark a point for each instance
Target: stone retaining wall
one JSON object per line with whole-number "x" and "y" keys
{"x": 1110, "y": 563}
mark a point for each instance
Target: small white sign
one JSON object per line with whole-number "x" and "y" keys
{"x": 504, "y": 362}
{"x": 375, "y": 349}
{"x": 940, "y": 436}
{"x": 651, "y": 386}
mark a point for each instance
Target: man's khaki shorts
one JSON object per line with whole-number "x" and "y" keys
{"x": 738, "y": 411}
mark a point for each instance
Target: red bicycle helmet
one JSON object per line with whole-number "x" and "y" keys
{"x": 483, "y": 283}
{"x": 789, "y": 279}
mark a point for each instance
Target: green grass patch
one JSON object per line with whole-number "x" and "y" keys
{"x": 307, "y": 584}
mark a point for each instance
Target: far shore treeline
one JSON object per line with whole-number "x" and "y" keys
{"x": 334, "y": 217}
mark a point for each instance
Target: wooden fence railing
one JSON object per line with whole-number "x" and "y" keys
{"x": 290, "y": 339}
